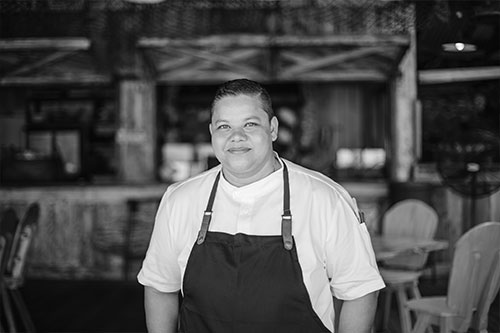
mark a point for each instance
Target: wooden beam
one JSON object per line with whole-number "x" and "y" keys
{"x": 229, "y": 41}
{"x": 438, "y": 76}
{"x": 207, "y": 42}
{"x": 63, "y": 79}
{"x": 27, "y": 44}
{"x": 358, "y": 75}
{"x": 342, "y": 40}
{"x": 217, "y": 59}
{"x": 209, "y": 77}
{"x": 39, "y": 63}
{"x": 321, "y": 62}
{"x": 168, "y": 63}
{"x": 171, "y": 64}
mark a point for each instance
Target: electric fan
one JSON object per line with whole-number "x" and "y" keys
{"x": 470, "y": 165}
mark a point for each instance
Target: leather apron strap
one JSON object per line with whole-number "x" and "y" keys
{"x": 207, "y": 215}
{"x": 286, "y": 218}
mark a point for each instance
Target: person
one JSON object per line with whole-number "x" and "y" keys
{"x": 257, "y": 243}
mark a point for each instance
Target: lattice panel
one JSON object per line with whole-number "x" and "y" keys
{"x": 197, "y": 18}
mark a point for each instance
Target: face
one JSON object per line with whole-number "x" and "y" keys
{"x": 242, "y": 137}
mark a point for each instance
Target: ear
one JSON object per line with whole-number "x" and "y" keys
{"x": 210, "y": 128}
{"x": 274, "y": 128}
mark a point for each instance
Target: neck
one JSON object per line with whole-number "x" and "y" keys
{"x": 243, "y": 180}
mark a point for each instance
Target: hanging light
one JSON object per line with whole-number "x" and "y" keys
{"x": 459, "y": 44}
{"x": 459, "y": 47}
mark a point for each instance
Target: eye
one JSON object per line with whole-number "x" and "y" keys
{"x": 222, "y": 127}
{"x": 251, "y": 124}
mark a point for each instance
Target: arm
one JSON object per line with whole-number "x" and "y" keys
{"x": 357, "y": 315}
{"x": 162, "y": 310}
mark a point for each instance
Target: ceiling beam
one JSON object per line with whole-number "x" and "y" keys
{"x": 218, "y": 59}
{"x": 308, "y": 65}
{"x": 358, "y": 75}
{"x": 28, "y": 44}
{"x": 230, "y": 41}
{"x": 39, "y": 63}
{"x": 450, "y": 75}
{"x": 55, "y": 79}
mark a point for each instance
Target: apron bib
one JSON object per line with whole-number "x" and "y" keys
{"x": 246, "y": 283}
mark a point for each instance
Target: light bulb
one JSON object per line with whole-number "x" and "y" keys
{"x": 460, "y": 46}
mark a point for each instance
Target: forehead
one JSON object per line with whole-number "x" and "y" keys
{"x": 239, "y": 105}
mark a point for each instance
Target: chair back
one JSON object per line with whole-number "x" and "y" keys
{"x": 2, "y": 249}
{"x": 22, "y": 241}
{"x": 8, "y": 226}
{"x": 410, "y": 218}
{"x": 29, "y": 221}
{"x": 475, "y": 276}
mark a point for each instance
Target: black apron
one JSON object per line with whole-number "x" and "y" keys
{"x": 246, "y": 283}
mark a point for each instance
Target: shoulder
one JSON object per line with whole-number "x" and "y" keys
{"x": 189, "y": 192}
{"x": 194, "y": 185}
{"x": 310, "y": 182}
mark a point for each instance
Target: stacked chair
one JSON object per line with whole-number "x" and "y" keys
{"x": 473, "y": 284}
{"x": 407, "y": 218}
{"x": 15, "y": 239}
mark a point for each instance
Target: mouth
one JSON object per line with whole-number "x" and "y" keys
{"x": 238, "y": 150}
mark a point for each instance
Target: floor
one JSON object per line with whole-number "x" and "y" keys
{"x": 111, "y": 306}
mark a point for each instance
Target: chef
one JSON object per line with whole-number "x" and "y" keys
{"x": 257, "y": 243}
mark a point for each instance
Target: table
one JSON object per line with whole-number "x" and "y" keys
{"x": 387, "y": 247}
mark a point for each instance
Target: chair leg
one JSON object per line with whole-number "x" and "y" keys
{"x": 8, "y": 309}
{"x": 23, "y": 311}
{"x": 387, "y": 308}
{"x": 444, "y": 325}
{"x": 422, "y": 324}
{"x": 404, "y": 312}
{"x": 415, "y": 291}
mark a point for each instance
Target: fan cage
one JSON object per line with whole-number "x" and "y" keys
{"x": 470, "y": 164}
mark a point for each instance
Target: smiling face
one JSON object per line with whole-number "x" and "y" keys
{"x": 242, "y": 137}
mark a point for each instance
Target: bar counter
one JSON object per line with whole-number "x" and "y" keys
{"x": 83, "y": 230}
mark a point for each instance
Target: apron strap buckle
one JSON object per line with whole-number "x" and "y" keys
{"x": 286, "y": 231}
{"x": 207, "y": 216}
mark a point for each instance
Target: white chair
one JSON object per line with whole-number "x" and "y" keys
{"x": 474, "y": 281}
{"x": 407, "y": 218}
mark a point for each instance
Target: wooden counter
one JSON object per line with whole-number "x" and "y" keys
{"x": 82, "y": 229}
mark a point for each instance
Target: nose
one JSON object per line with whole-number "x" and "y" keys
{"x": 238, "y": 135}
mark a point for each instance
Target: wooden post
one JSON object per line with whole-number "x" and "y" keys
{"x": 136, "y": 137}
{"x": 403, "y": 116}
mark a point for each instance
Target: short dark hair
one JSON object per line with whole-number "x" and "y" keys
{"x": 244, "y": 87}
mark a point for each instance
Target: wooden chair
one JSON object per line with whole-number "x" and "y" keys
{"x": 474, "y": 281}
{"x": 18, "y": 235}
{"x": 2, "y": 251}
{"x": 8, "y": 226}
{"x": 407, "y": 218}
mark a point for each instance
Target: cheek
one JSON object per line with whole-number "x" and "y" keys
{"x": 218, "y": 141}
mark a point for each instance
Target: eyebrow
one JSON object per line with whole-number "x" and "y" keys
{"x": 244, "y": 120}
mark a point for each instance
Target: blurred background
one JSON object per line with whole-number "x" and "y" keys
{"x": 103, "y": 104}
